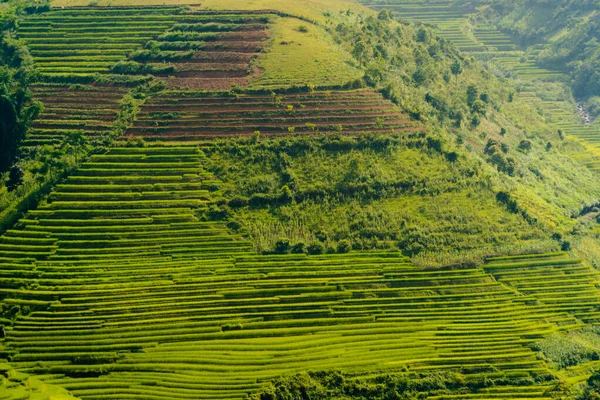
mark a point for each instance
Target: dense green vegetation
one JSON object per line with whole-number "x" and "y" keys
{"x": 483, "y": 30}
{"x": 16, "y": 385}
{"x": 16, "y": 73}
{"x": 365, "y": 193}
{"x": 571, "y": 28}
{"x": 335, "y": 385}
{"x": 17, "y": 113}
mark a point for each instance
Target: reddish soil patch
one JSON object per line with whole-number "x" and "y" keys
{"x": 221, "y": 56}
{"x": 266, "y": 108}
{"x": 75, "y": 101}
{"x": 244, "y": 36}
{"x": 210, "y": 74}
{"x": 203, "y": 83}
{"x": 237, "y": 46}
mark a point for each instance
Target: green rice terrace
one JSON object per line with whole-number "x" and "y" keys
{"x": 231, "y": 201}
{"x": 191, "y": 48}
{"x": 452, "y": 21}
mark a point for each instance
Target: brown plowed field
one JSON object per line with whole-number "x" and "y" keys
{"x": 223, "y": 59}
{"x": 189, "y": 115}
{"x": 200, "y": 74}
{"x": 205, "y": 83}
{"x": 91, "y": 109}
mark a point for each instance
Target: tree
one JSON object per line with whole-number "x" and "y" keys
{"x": 423, "y": 35}
{"x": 525, "y": 146}
{"x": 479, "y": 107}
{"x": 316, "y": 248}
{"x": 452, "y": 156}
{"x": 456, "y": 69}
{"x": 76, "y": 144}
{"x": 344, "y": 246}
{"x": 282, "y": 247}
{"x": 419, "y": 77}
{"x": 15, "y": 178}
{"x": 18, "y": 110}
{"x": 472, "y": 95}
{"x": 359, "y": 51}
{"x": 298, "y": 248}
{"x": 384, "y": 15}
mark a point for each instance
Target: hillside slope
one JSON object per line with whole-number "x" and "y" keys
{"x": 250, "y": 203}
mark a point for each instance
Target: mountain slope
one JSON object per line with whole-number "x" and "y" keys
{"x": 258, "y": 239}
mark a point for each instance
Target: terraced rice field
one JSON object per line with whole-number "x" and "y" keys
{"x": 121, "y": 205}
{"x": 123, "y": 292}
{"x": 449, "y": 19}
{"x": 208, "y": 319}
{"x": 563, "y": 115}
{"x": 70, "y": 109}
{"x": 554, "y": 283}
{"x": 192, "y": 115}
{"x": 204, "y": 49}
{"x": 120, "y": 289}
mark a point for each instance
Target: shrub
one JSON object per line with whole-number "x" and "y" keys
{"x": 525, "y": 146}
{"x": 384, "y": 15}
{"x": 286, "y": 195}
{"x": 479, "y": 107}
{"x": 419, "y": 77}
{"x": 260, "y": 200}
{"x": 344, "y": 246}
{"x": 472, "y": 93}
{"x": 282, "y": 247}
{"x": 15, "y": 178}
{"x": 423, "y": 35}
{"x": 232, "y": 327}
{"x": 238, "y": 202}
{"x": 132, "y": 68}
{"x": 298, "y": 248}
{"x": 506, "y": 199}
{"x": 316, "y": 248}
{"x": 452, "y": 156}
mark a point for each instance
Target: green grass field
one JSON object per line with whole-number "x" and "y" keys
{"x": 300, "y": 57}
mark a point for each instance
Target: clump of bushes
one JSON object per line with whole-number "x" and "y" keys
{"x": 135, "y": 68}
